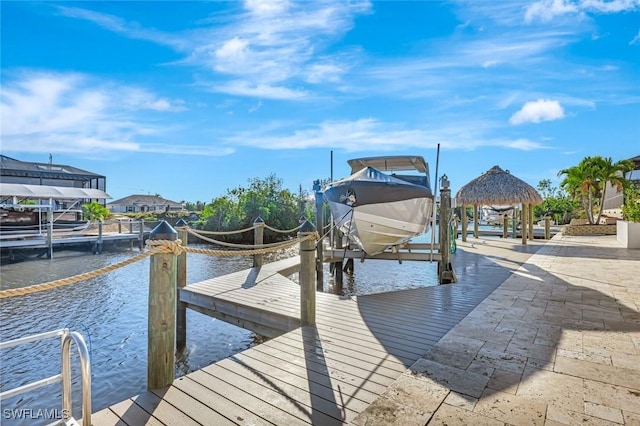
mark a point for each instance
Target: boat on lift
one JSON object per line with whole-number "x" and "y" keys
{"x": 378, "y": 209}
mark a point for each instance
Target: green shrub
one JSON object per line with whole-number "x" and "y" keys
{"x": 631, "y": 207}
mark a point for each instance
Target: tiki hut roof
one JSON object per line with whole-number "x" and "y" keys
{"x": 497, "y": 186}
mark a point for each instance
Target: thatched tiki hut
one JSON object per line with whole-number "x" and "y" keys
{"x": 498, "y": 187}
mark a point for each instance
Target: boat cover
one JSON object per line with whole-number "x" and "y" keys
{"x": 371, "y": 186}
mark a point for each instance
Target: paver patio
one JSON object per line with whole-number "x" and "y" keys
{"x": 558, "y": 342}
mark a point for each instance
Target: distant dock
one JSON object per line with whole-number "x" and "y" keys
{"x": 94, "y": 236}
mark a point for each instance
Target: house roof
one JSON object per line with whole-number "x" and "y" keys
{"x": 12, "y": 167}
{"x": 55, "y": 192}
{"x": 144, "y": 200}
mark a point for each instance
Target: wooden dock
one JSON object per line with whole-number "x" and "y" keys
{"x": 91, "y": 237}
{"x": 325, "y": 374}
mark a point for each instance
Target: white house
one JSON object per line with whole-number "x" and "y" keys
{"x": 143, "y": 203}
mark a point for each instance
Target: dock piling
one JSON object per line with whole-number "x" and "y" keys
{"x": 307, "y": 269}
{"x": 258, "y": 239}
{"x": 181, "y": 282}
{"x": 445, "y": 275}
{"x": 162, "y": 312}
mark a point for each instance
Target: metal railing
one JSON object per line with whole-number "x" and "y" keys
{"x": 65, "y": 376}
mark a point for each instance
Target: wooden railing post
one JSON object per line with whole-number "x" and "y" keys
{"x": 99, "y": 243}
{"x": 476, "y": 219}
{"x": 505, "y": 226}
{"x": 162, "y": 312}
{"x": 524, "y": 216}
{"x": 307, "y": 274}
{"x": 320, "y": 222}
{"x": 547, "y": 227}
{"x": 258, "y": 239}
{"x": 465, "y": 223}
{"x": 181, "y": 282}
{"x": 530, "y": 234}
{"x": 141, "y": 235}
{"x": 444, "y": 271}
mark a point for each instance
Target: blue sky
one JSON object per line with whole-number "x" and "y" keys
{"x": 189, "y": 99}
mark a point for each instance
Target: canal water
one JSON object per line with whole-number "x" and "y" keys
{"x": 110, "y": 311}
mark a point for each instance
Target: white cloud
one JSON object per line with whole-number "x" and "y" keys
{"x": 264, "y": 91}
{"x": 636, "y": 39}
{"x": 535, "y": 112}
{"x": 546, "y": 10}
{"x": 369, "y": 134}
{"x": 72, "y": 113}
{"x": 269, "y": 44}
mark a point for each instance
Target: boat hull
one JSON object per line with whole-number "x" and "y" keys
{"x": 376, "y": 227}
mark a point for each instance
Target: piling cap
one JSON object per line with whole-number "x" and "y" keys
{"x": 302, "y": 219}
{"x": 258, "y": 220}
{"x": 182, "y": 222}
{"x": 163, "y": 231}
{"x": 307, "y": 227}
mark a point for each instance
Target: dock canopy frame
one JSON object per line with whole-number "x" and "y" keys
{"x": 50, "y": 192}
{"x": 390, "y": 163}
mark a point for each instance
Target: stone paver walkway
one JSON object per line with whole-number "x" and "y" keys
{"x": 558, "y": 342}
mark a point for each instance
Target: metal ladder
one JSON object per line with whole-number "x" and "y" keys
{"x": 65, "y": 376}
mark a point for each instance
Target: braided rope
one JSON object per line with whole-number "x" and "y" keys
{"x": 239, "y": 231}
{"x": 288, "y": 231}
{"x": 233, "y": 245}
{"x": 155, "y": 247}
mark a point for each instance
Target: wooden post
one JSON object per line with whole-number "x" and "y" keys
{"x": 475, "y": 221}
{"x": 445, "y": 276}
{"x": 50, "y": 231}
{"x": 337, "y": 266}
{"x": 141, "y": 235}
{"x": 181, "y": 282}
{"x": 99, "y": 243}
{"x": 547, "y": 227}
{"x": 307, "y": 268}
{"x": 465, "y": 223}
{"x": 514, "y": 223}
{"x": 531, "y": 222}
{"x": 119, "y": 226}
{"x": 505, "y": 226}
{"x": 524, "y": 215}
{"x": 162, "y": 312}
{"x": 456, "y": 223}
{"x": 320, "y": 222}
{"x": 258, "y": 239}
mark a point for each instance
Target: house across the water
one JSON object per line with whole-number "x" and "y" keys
{"x": 144, "y": 203}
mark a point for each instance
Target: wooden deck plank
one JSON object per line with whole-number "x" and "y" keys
{"x": 355, "y": 375}
{"x": 278, "y": 367}
{"x": 227, "y": 402}
{"x": 105, "y": 417}
{"x": 162, "y": 409}
{"x": 272, "y": 396}
{"x": 315, "y": 395}
{"x": 132, "y": 414}
{"x": 191, "y": 407}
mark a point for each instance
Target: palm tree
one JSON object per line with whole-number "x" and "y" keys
{"x": 608, "y": 171}
{"x": 588, "y": 182}
{"x": 579, "y": 184}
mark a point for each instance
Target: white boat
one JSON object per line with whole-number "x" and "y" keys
{"x": 378, "y": 210}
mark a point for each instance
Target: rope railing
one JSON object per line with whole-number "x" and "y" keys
{"x": 155, "y": 247}
{"x": 232, "y": 245}
{"x": 286, "y": 231}
{"x": 239, "y": 231}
